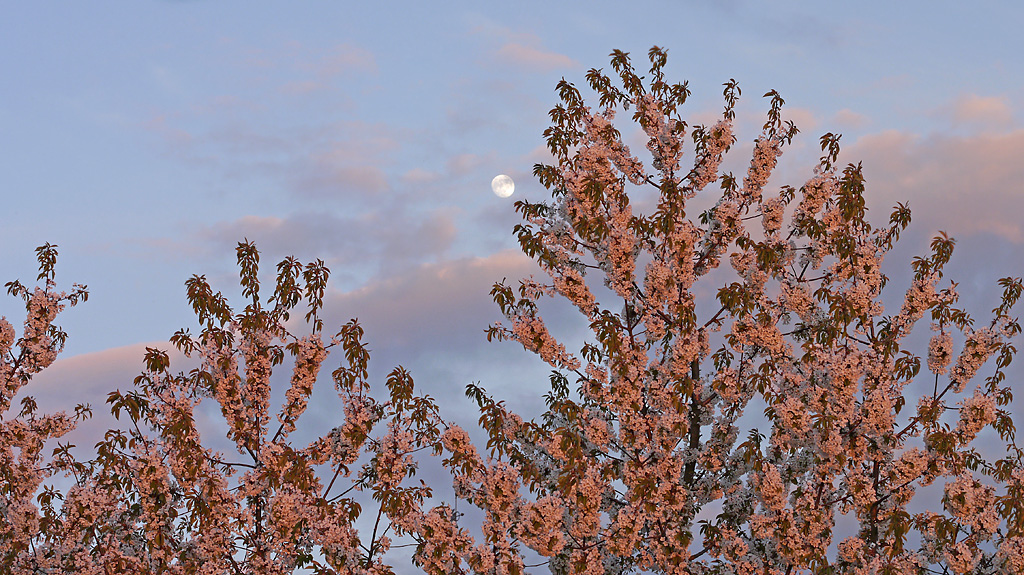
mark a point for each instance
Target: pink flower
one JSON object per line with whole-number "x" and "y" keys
{"x": 6, "y": 335}
{"x": 766, "y": 155}
{"x": 976, "y": 412}
{"x": 940, "y": 352}
{"x": 1011, "y": 554}
{"x": 706, "y": 170}
{"x": 980, "y": 344}
{"x": 960, "y": 557}
{"x": 771, "y": 215}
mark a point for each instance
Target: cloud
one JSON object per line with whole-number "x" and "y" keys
{"x": 87, "y": 379}
{"x": 346, "y": 58}
{"x": 420, "y": 176}
{"x": 384, "y": 239}
{"x": 243, "y": 127}
{"x": 174, "y": 137}
{"x": 341, "y": 167}
{"x": 335, "y": 161}
{"x": 326, "y": 179}
{"x": 539, "y": 154}
{"x": 441, "y": 300}
{"x": 431, "y": 320}
{"x": 522, "y": 49}
{"x": 296, "y": 67}
{"x": 301, "y": 87}
{"x": 320, "y": 71}
{"x": 847, "y": 118}
{"x": 84, "y": 377}
{"x": 462, "y": 164}
{"x": 961, "y": 184}
{"x": 804, "y": 118}
{"x": 988, "y": 112}
{"x": 533, "y": 58}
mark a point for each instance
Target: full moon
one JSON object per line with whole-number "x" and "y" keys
{"x": 503, "y": 186}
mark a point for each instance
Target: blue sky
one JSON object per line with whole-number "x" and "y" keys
{"x": 147, "y": 138}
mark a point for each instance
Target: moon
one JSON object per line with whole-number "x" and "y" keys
{"x": 503, "y": 186}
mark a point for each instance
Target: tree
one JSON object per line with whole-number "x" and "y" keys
{"x": 23, "y": 466}
{"x": 640, "y": 466}
{"x": 158, "y": 500}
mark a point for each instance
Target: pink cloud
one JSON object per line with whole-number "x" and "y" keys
{"x": 88, "y": 379}
{"x": 462, "y": 164}
{"x": 82, "y": 378}
{"x": 986, "y": 111}
{"x": 523, "y": 49}
{"x": 316, "y": 65}
{"x": 960, "y": 184}
{"x": 347, "y": 58}
{"x": 342, "y": 168}
{"x": 323, "y": 71}
{"x": 448, "y": 301}
{"x": 538, "y": 155}
{"x": 173, "y": 136}
{"x": 850, "y": 119}
{"x": 533, "y": 58}
{"x": 380, "y": 239}
{"x": 804, "y": 119}
{"x": 301, "y": 87}
{"x": 420, "y": 176}
{"x": 362, "y": 178}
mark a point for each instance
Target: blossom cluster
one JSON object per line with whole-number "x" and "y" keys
{"x": 156, "y": 499}
{"x": 654, "y": 425}
{"x": 647, "y": 465}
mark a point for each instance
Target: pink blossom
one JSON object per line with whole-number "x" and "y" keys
{"x": 771, "y": 215}
{"x": 980, "y": 344}
{"x": 976, "y": 412}
{"x": 533, "y": 334}
{"x": 766, "y": 155}
{"x": 773, "y": 490}
{"x": 706, "y": 170}
{"x": 6, "y": 335}
{"x": 1011, "y": 554}
{"x": 960, "y": 557}
{"x": 816, "y": 192}
{"x": 973, "y": 504}
{"x": 665, "y": 136}
{"x": 940, "y": 352}
{"x": 919, "y": 298}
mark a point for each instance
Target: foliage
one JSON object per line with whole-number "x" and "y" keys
{"x": 643, "y": 465}
{"x": 157, "y": 500}
{"x": 640, "y": 462}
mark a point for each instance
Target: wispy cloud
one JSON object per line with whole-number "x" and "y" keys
{"x": 431, "y": 319}
{"x": 960, "y": 184}
{"x": 326, "y": 178}
{"x": 521, "y": 49}
{"x": 847, "y": 118}
{"x": 380, "y": 239}
{"x": 88, "y": 379}
{"x": 533, "y": 57}
{"x": 315, "y": 70}
{"x": 461, "y": 164}
{"x": 986, "y": 112}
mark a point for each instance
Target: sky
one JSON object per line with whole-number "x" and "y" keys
{"x": 147, "y": 138}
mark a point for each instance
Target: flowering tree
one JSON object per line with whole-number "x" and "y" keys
{"x": 640, "y": 467}
{"x": 24, "y": 467}
{"x": 159, "y": 500}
